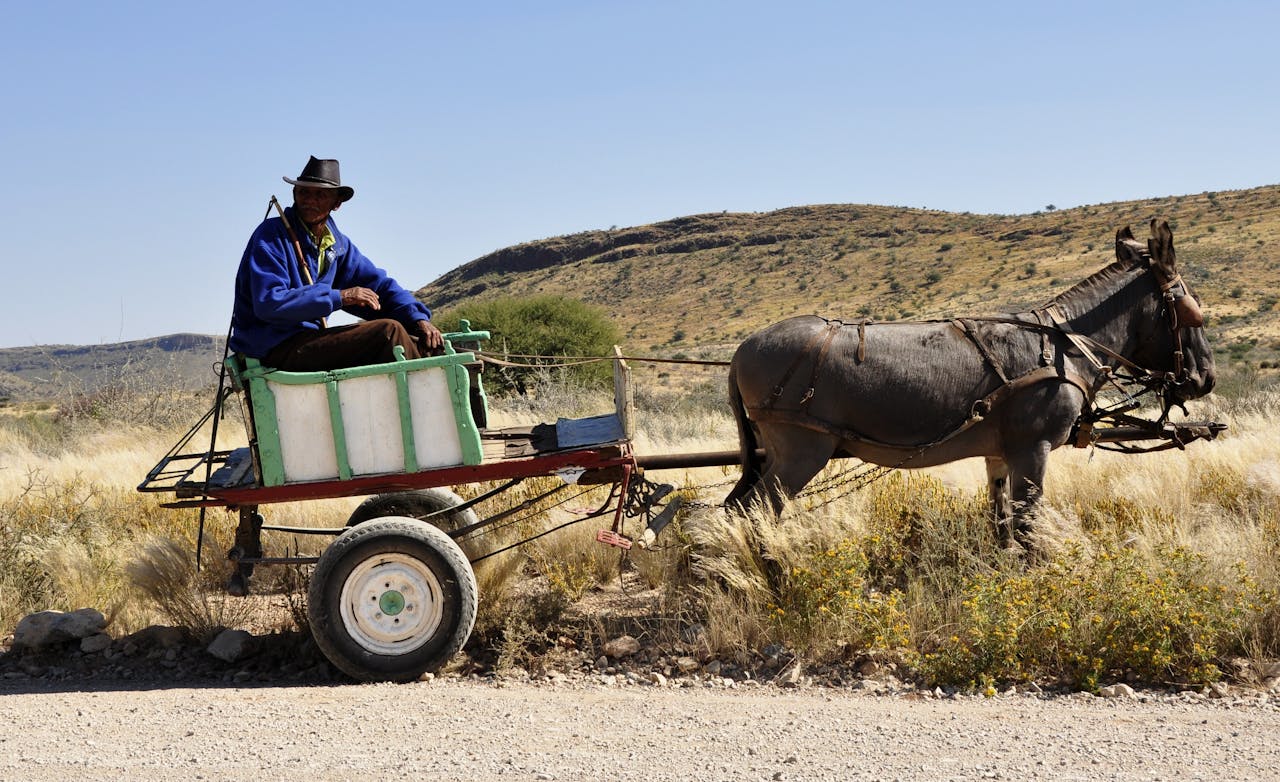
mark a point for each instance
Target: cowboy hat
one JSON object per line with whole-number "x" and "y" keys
{"x": 322, "y": 173}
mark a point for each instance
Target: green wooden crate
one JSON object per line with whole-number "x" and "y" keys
{"x": 400, "y": 417}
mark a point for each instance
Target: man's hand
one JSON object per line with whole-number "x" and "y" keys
{"x": 430, "y": 336}
{"x": 362, "y": 297}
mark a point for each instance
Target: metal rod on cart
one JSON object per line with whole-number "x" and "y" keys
{"x": 702, "y": 459}
{"x": 1114, "y": 434}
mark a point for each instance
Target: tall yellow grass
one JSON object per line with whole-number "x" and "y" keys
{"x": 1168, "y": 561}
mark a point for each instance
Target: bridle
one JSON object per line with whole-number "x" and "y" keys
{"x": 1181, "y": 309}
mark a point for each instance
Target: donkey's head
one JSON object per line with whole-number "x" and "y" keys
{"x": 1173, "y": 339}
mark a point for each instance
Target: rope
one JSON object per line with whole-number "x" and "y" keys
{"x": 573, "y": 361}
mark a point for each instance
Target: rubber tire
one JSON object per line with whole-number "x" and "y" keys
{"x": 426, "y": 546}
{"x": 420, "y": 504}
{"x": 417, "y": 504}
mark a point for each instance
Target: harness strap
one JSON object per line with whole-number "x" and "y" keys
{"x": 832, "y": 327}
{"x": 1085, "y": 344}
{"x": 828, "y": 332}
{"x": 807, "y": 420}
{"x": 966, "y": 327}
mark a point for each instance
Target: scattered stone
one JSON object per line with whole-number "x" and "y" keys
{"x": 1219, "y": 690}
{"x": 790, "y": 677}
{"x": 657, "y": 678}
{"x": 230, "y": 645}
{"x": 93, "y": 644}
{"x": 602, "y": 662}
{"x": 687, "y": 664}
{"x": 623, "y": 646}
{"x": 47, "y": 628}
{"x": 693, "y": 633}
{"x": 869, "y": 668}
{"x": 713, "y": 667}
{"x": 1117, "y": 691}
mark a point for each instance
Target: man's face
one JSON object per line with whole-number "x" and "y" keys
{"x": 315, "y": 203}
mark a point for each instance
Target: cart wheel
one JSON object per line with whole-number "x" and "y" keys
{"x": 391, "y": 599}
{"x": 420, "y": 504}
{"x": 416, "y": 505}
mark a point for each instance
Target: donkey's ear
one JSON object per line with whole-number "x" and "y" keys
{"x": 1160, "y": 246}
{"x": 1127, "y": 248}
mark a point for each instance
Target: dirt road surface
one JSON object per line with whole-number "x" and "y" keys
{"x": 470, "y": 730}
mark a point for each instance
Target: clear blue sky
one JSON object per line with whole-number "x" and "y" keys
{"x": 141, "y": 140}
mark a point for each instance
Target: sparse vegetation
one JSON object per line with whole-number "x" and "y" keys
{"x": 1156, "y": 569}
{"x": 751, "y": 287}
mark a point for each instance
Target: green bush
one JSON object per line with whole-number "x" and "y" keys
{"x": 552, "y": 326}
{"x": 1084, "y": 620}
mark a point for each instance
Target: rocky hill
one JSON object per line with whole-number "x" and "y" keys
{"x": 701, "y": 283}
{"x": 697, "y": 285}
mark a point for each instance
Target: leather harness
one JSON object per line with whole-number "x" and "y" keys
{"x": 1056, "y": 324}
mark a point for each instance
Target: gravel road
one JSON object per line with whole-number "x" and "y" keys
{"x": 456, "y": 729}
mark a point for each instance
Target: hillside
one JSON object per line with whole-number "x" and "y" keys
{"x": 702, "y": 283}
{"x": 697, "y": 285}
{"x": 176, "y": 361}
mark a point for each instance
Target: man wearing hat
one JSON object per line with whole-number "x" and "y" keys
{"x": 282, "y": 301}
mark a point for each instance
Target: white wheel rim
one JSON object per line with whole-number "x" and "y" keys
{"x": 392, "y": 604}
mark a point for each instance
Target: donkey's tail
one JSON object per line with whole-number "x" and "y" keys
{"x": 752, "y": 465}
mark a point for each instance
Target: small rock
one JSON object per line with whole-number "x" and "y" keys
{"x": 602, "y": 662}
{"x": 693, "y": 633}
{"x": 713, "y": 667}
{"x": 1117, "y": 691}
{"x": 791, "y": 676}
{"x": 38, "y": 630}
{"x": 868, "y": 668}
{"x": 1268, "y": 669}
{"x": 95, "y": 643}
{"x": 1219, "y": 690}
{"x": 230, "y": 645}
{"x": 687, "y": 664}
{"x": 657, "y": 678}
{"x": 623, "y": 646}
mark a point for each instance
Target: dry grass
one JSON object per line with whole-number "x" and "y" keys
{"x": 1158, "y": 568}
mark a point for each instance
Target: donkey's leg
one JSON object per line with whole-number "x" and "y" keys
{"x": 998, "y": 496}
{"x": 793, "y": 456}
{"x": 1035, "y": 422}
{"x": 1026, "y": 486}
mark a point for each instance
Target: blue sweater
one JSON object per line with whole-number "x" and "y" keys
{"x": 272, "y": 302}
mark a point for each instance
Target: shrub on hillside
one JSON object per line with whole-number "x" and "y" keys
{"x": 552, "y": 326}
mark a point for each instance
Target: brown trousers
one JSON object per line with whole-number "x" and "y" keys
{"x": 339, "y": 347}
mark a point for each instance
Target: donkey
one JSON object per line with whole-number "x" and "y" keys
{"x": 1009, "y": 388}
